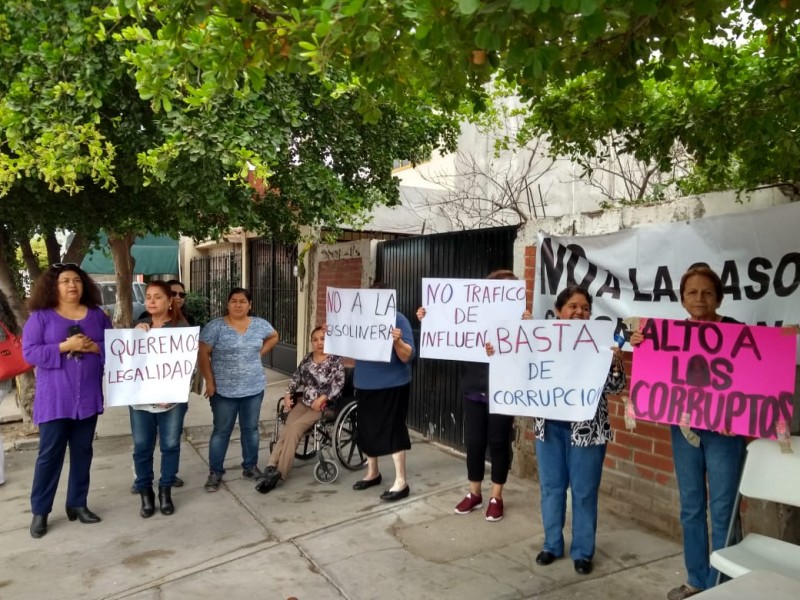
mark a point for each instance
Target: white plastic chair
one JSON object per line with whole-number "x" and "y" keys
{"x": 768, "y": 475}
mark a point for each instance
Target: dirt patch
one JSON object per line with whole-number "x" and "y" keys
{"x": 17, "y": 430}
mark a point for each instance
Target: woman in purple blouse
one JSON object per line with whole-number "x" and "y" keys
{"x": 63, "y": 338}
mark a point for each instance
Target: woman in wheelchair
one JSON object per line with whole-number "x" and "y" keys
{"x": 321, "y": 377}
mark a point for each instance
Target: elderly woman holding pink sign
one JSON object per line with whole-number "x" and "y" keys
{"x": 701, "y": 455}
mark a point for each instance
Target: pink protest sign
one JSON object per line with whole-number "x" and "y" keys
{"x": 715, "y": 376}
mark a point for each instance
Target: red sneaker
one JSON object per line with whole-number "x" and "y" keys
{"x": 494, "y": 512}
{"x": 468, "y": 504}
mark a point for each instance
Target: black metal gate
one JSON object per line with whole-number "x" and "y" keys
{"x": 274, "y": 286}
{"x": 435, "y": 406}
{"x": 214, "y": 277}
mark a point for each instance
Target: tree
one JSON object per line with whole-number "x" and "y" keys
{"x": 716, "y": 76}
{"x": 75, "y": 125}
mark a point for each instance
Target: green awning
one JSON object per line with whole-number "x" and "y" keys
{"x": 154, "y": 255}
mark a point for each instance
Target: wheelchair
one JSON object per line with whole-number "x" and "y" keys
{"x": 333, "y": 435}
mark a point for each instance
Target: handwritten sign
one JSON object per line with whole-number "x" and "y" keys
{"x": 551, "y": 369}
{"x": 149, "y": 367}
{"x": 360, "y": 322}
{"x": 714, "y": 376}
{"x": 458, "y": 314}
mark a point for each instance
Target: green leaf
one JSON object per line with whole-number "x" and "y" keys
{"x": 528, "y": 6}
{"x": 588, "y": 7}
{"x": 468, "y": 7}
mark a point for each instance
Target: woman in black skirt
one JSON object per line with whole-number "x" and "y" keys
{"x": 383, "y": 391}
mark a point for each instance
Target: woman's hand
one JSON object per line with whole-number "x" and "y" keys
{"x": 421, "y": 313}
{"x": 318, "y": 405}
{"x": 75, "y": 343}
{"x": 489, "y": 349}
{"x": 287, "y": 401}
{"x": 211, "y": 389}
{"x": 527, "y": 316}
{"x": 143, "y": 327}
{"x": 397, "y": 334}
{"x": 636, "y": 338}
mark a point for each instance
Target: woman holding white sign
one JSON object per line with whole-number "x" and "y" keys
{"x": 230, "y": 354}
{"x": 383, "y": 390}
{"x": 703, "y": 457}
{"x": 570, "y": 455}
{"x": 483, "y": 430}
{"x": 164, "y": 421}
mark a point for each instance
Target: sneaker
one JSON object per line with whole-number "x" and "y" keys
{"x": 213, "y": 482}
{"x": 494, "y": 512}
{"x": 468, "y": 504}
{"x": 682, "y": 591}
{"x": 253, "y": 473}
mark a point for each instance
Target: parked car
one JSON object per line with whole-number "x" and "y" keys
{"x": 108, "y": 291}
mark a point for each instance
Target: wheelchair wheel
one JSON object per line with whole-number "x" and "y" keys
{"x": 344, "y": 438}
{"x": 305, "y": 449}
{"x": 326, "y": 471}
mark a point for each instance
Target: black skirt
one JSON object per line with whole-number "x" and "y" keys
{"x": 382, "y": 426}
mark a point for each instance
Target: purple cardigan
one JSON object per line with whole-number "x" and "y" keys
{"x": 66, "y": 388}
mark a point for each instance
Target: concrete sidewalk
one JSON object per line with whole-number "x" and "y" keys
{"x": 305, "y": 540}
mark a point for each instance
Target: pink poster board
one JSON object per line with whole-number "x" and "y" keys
{"x": 716, "y": 376}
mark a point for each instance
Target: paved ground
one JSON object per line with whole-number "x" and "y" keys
{"x": 304, "y": 540}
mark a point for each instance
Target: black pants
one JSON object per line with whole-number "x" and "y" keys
{"x": 482, "y": 429}
{"x": 54, "y": 437}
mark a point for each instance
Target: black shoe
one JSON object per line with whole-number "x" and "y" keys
{"x": 390, "y": 496}
{"x": 165, "y": 500}
{"x": 83, "y": 514}
{"x": 38, "y": 526}
{"x": 148, "y": 503}
{"x": 583, "y": 566}
{"x": 178, "y": 482}
{"x": 268, "y": 484}
{"x": 544, "y": 558}
{"x": 363, "y": 484}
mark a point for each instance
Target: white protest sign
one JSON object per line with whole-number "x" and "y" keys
{"x": 550, "y": 369}
{"x": 149, "y": 367}
{"x": 360, "y": 322}
{"x": 458, "y": 313}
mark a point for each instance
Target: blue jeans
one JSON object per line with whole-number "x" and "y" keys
{"x": 562, "y": 465}
{"x": 720, "y": 458}
{"x": 168, "y": 426}
{"x": 225, "y": 411}
{"x": 54, "y": 437}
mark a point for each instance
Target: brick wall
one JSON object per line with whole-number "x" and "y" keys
{"x": 341, "y": 273}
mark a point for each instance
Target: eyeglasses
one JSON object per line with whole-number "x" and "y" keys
{"x": 64, "y": 265}
{"x": 178, "y": 294}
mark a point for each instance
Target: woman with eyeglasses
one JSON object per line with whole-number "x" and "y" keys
{"x": 63, "y": 338}
{"x": 570, "y": 455}
{"x": 162, "y": 421}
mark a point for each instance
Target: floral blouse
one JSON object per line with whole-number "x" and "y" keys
{"x": 597, "y": 431}
{"x": 317, "y": 379}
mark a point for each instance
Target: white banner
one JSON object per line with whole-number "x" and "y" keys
{"x": 637, "y": 272}
{"x": 458, "y": 314}
{"x": 360, "y": 322}
{"x": 149, "y": 367}
{"x": 550, "y": 369}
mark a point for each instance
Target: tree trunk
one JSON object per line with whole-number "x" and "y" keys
{"x": 7, "y": 285}
{"x": 120, "y": 245}
{"x": 77, "y": 249}
{"x": 31, "y": 262}
{"x": 53, "y": 247}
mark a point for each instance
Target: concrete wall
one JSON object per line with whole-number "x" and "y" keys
{"x": 639, "y": 478}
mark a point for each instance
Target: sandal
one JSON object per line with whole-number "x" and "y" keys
{"x": 681, "y": 592}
